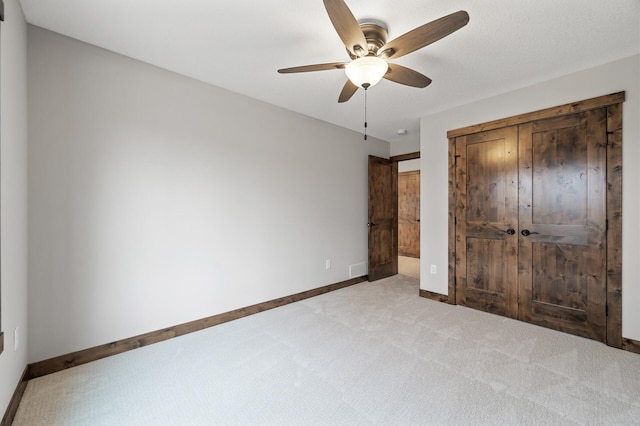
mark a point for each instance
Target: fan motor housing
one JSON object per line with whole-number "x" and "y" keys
{"x": 376, "y": 34}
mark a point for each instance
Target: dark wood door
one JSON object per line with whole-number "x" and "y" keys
{"x": 383, "y": 218}
{"x": 409, "y": 213}
{"x": 562, "y": 259}
{"x": 487, "y": 221}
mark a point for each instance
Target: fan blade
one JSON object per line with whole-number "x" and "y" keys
{"x": 315, "y": 67}
{"x": 347, "y": 27}
{"x": 347, "y": 91}
{"x": 407, "y": 76}
{"x": 424, "y": 35}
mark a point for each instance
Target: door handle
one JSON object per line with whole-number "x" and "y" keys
{"x": 526, "y": 232}
{"x": 371, "y": 224}
{"x": 510, "y": 231}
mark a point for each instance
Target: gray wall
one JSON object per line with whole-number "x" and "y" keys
{"x": 409, "y": 165}
{"x": 156, "y": 199}
{"x": 405, "y": 147}
{"x": 13, "y": 107}
{"x": 623, "y": 75}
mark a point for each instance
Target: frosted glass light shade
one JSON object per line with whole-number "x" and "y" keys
{"x": 368, "y": 70}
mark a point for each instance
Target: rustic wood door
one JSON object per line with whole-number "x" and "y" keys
{"x": 487, "y": 221}
{"x": 562, "y": 258}
{"x": 383, "y": 218}
{"x": 569, "y": 232}
{"x": 409, "y": 213}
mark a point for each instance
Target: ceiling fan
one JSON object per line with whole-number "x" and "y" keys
{"x": 366, "y": 43}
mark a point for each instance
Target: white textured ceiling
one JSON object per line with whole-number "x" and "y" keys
{"x": 239, "y": 45}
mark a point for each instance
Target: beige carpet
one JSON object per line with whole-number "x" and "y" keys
{"x": 373, "y": 353}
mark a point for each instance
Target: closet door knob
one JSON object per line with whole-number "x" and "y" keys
{"x": 510, "y": 231}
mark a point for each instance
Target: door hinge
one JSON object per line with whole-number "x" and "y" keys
{"x": 606, "y": 310}
{"x": 607, "y": 225}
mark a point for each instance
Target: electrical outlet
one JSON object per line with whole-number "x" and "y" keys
{"x": 327, "y": 264}
{"x": 16, "y": 339}
{"x": 434, "y": 270}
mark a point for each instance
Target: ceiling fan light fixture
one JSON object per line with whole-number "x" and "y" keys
{"x": 366, "y": 72}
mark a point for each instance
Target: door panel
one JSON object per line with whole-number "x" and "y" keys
{"x": 409, "y": 213}
{"x": 383, "y": 218}
{"x": 559, "y": 282}
{"x": 482, "y": 272}
{"x": 562, "y": 261}
{"x": 487, "y": 216}
{"x": 559, "y": 187}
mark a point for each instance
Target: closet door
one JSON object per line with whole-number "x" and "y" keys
{"x": 487, "y": 216}
{"x": 562, "y": 219}
{"x": 409, "y": 213}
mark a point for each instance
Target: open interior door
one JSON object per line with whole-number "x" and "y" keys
{"x": 383, "y": 218}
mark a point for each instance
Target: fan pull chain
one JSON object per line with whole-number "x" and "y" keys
{"x": 365, "y": 112}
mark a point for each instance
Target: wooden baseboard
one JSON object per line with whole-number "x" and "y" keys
{"x": 12, "y": 409}
{"x": 63, "y": 362}
{"x": 631, "y": 345}
{"x": 434, "y": 296}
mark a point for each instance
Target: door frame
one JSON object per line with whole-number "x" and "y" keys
{"x": 613, "y": 103}
{"x": 404, "y": 157}
{"x": 394, "y": 171}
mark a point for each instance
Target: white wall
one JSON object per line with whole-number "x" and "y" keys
{"x": 405, "y": 147}
{"x": 156, "y": 199}
{"x": 623, "y": 75}
{"x": 13, "y": 117}
{"x": 408, "y": 165}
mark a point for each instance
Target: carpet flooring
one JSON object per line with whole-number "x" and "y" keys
{"x": 373, "y": 353}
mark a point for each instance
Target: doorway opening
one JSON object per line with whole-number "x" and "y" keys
{"x": 383, "y": 217}
{"x": 409, "y": 218}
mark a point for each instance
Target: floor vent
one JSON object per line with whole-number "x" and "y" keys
{"x": 358, "y": 270}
